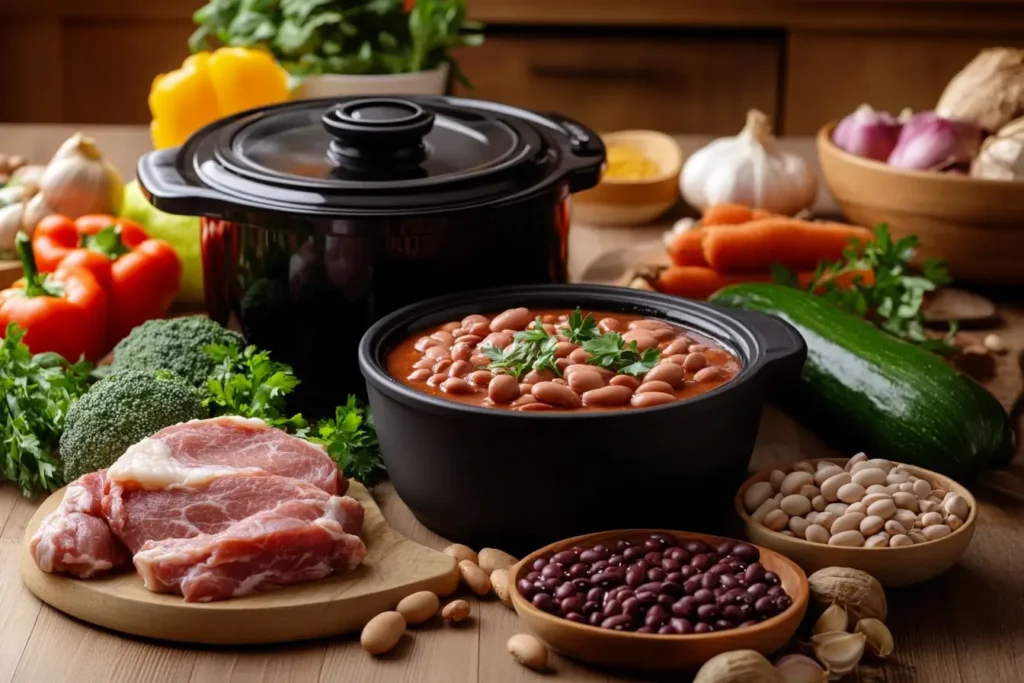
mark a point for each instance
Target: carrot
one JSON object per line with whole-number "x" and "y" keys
{"x": 732, "y": 214}
{"x": 696, "y": 282}
{"x": 843, "y": 281}
{"x": 793, "y": 243}
{"x": 686, "y": 248}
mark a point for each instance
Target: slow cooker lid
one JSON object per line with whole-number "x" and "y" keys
{"x": 372, "y": 154}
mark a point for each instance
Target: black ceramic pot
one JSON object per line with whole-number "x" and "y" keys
{"x": 517, "y": 481}
{"x": 320, "y": 216}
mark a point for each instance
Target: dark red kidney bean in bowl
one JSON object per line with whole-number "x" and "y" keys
{"x": 662, "y": 585}
{"x": 543, "y": 360}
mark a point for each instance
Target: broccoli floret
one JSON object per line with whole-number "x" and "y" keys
{"x": 176, "y": 345}
{"x": 121, "y": 410}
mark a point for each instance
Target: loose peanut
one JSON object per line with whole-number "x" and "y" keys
{"x": 492, "y": 559}
{"x": 461, "y": 552}
{"x": 499, "y": 583}
{"x": 455, "y": 611}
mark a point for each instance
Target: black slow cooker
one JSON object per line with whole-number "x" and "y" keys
{"x": 321, "y": 216}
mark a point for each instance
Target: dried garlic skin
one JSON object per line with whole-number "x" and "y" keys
{"x": 834, "y": 618}
{"x": 738, "y": 666}
{"x": 859, "y": 592}
{"x": 839, "y": 652}
{"x": 879, "y": 637}
{"x": 800, "y": 669}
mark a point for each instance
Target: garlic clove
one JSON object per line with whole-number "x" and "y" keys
{"x": 839, "y": 652}
{"x": 867, "y": 133}
{"x": 879, "y": 637}
{"x": 800, "y": 669}
{"x": 832, "y": 619}
{"x": 738, "y": 666}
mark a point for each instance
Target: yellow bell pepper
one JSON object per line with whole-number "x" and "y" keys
{"x": 209, "y": 86}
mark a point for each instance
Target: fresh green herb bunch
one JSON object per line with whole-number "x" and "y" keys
{"x": 893, "y": 301}
{"x": 535, "y": 349}
{"x": 310, "y": 37}
{"x": 351, "y": 441}
{"x": 248, "y": 383}
{"x": 36, "y": 393}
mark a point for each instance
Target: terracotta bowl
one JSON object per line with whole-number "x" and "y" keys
{"x": 634, "y": 202}
{"x": 902, "y": 566}
{"x": 975, "y": 225}
{"x": 648, "y": 652}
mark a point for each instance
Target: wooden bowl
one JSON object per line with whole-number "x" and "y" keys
{"x": 648, "y": 652}
{"x": 616, "y": 201}
{"x": 902, "y": 566}
{"x": 975, "y": 225}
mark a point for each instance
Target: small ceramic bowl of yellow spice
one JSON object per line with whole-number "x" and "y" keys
{"x": 640, "y": 182}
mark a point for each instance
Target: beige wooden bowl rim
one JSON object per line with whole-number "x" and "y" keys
{"x": 825, "y": 140}
{"x": 662, "y": 138}
{"x": 800, "y": 600}
{"x": 916, "y": 471}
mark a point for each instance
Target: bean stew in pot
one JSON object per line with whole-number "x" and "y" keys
{"x": 544, "y": 360}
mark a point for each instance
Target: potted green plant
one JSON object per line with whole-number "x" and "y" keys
{"x": 347, "y": 47}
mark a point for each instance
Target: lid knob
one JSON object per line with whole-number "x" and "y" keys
{"x": 377, "y": 131}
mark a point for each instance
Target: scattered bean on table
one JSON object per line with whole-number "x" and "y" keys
{"x": 660, "y": 585}
{"x": 872, "y": 503}
{"x": 462, "y": 360}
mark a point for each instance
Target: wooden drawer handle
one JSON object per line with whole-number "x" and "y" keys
{"x": 606, "y": 73}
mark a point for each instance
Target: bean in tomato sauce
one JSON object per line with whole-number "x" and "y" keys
{"x": 541, "y": 360}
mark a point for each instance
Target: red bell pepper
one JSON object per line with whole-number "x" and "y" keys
{"x": 140, "y": 275}
{"x": 65, "y": 313}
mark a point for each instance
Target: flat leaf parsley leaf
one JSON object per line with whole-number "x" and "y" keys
{"x": 351, "y": 442}
{"x": 581, "y": 327}
{"x": 530, "y": 350}
{"x": 893, "y": 300}
{"x": 611, "y": 351}
{"x": 248, "y": 383}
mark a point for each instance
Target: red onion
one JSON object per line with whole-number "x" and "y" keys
{"x": 868, "y": 133}
{"x": 929, "y": 142}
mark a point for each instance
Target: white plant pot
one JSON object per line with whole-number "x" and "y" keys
{"x": 431, "y": 82}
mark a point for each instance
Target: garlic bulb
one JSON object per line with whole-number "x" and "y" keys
{"x": 10, "y": 224}
{"x": 856, "y": 590}
{"x": 738, "y": 666}
{"x": 35, "y": 210}
{"x": 79, "y": 181}
{"x": 1002, "y": 155}
{"x": 749, "y": 169}
{"x": 868, "y": 133}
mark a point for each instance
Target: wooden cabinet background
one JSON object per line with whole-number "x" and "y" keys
{"x": 684, "y": 66}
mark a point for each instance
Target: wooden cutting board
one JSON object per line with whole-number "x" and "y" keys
{"x": 394, "y": 567}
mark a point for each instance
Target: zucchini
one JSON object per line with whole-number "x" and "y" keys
{"x": 865, "y": 390}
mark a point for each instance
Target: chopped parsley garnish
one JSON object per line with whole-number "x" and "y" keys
{"x": 611, "y": 351}
{"x": 581, "y": 328}
{"x": 535, "y": 349}
{"x": 530, "y": 350}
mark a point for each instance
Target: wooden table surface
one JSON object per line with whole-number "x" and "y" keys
{"x": 965, "y": 626}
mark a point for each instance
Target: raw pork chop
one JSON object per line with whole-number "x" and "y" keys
{"x": 194, "y": 453}
{"x": 296, "y": 541}
{"x": 137, "y": 516}
{"x": 75, "y": 537}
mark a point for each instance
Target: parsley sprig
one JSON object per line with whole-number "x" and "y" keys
{"x": 893, "y": 301}
{"x": 36, "y": 392}
{"x": 530, "y": 350}
{"x": 611, "y": 351}
{"x": 250, "y": 384}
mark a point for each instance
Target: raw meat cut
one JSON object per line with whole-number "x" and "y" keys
{"x": 75, "y": 538}
{"x": 193, "y": 453}
{"x": 293, "y": 542}
{"x": 212, "y": 509}
{"x": 137, "y": 516}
